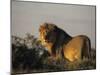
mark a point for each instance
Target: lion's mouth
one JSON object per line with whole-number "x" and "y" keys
{"x": 42, "y": 40}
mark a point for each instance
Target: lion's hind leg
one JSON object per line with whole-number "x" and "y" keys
{"x": 72, "y": 50}
{"x": 77, "y": 48}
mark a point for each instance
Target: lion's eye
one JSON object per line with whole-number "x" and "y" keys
{"x": 45, "y": 33}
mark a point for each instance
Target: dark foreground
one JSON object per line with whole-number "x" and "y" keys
{"x": 31, "y": 57}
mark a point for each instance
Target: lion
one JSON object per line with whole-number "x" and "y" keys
{"x": 61, "y": 44}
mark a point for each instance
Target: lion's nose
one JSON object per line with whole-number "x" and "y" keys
{"x": 39, "y": 39}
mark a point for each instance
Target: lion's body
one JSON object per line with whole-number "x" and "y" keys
{"x": 59, "y": 43}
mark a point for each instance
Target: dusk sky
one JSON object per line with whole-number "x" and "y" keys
{"x": 74, "y": 19}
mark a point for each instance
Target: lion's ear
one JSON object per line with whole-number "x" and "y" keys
{"x": 40, "y": 28}
{"x": 45, "y": 24}
{"x": 52, "y": 26}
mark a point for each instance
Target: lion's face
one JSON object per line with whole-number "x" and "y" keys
{"x": 43, "y": 33}
{"x": 46, "y": 30}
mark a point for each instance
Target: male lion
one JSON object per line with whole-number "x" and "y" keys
{"x": 59, "y": 43}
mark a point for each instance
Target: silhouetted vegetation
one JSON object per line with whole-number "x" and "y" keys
{"x": 28, "y": 56}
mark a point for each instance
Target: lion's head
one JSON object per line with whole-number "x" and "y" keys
{"x": 47, "y": 32}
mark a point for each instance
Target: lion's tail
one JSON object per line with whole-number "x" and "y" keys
{"x": 86, "y": 50}
{"x": 89, "y": 47}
